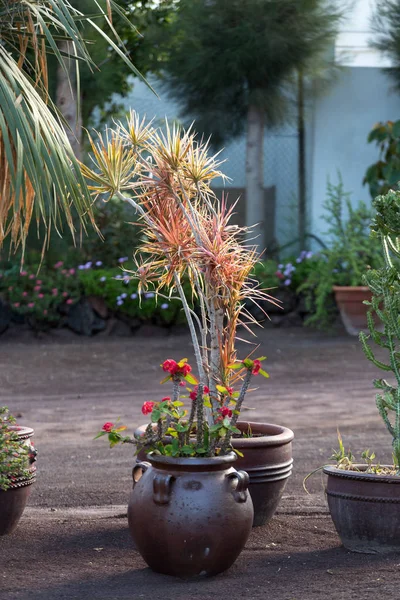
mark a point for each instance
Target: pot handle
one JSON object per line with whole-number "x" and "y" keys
{"x": 240, "y": 491}
{"x": 140, "y": 466}
{"x": 162, "y": 484}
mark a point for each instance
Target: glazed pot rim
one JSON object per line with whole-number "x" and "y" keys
{"x": 282, "y": 435}
{"x": 211, "y": 462}
{"x": 22, "y": 431}
{"x": 361, "y": 475}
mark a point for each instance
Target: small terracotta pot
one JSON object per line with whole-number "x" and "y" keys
{"x": 352, "y": 310}
{"x": 189, "y": 516}
{"x": 14, "y": 499}
{"x": 365, "y": 509}
{"x": 267, "y": 458}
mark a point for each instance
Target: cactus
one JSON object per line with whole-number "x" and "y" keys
{"x": 384, "y": 284}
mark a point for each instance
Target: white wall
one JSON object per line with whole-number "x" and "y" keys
{"x": 352, "y": 44}
{"x": 342, "y": 120}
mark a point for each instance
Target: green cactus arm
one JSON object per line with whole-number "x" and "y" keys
{"x": 381, "y": 406}
{"x": 370, "y": 355}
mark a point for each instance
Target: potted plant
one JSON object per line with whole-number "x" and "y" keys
{"x": 17, "y": 471}
{"x": 364, "y": 499}
{"x": 338, "y": 281}
{"x": 166, "y": 179}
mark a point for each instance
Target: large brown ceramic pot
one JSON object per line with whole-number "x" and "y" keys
{"x": 365, "y": 509}
{"x": 267, "y": 458}
{"x": 189, "y": 516}
{"x": 353, "y": 312}
{"x": 14, "y": 499}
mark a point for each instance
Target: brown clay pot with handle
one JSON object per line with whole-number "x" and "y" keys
{"x": 14, "y": 499}
{"x": 189, "y": 516}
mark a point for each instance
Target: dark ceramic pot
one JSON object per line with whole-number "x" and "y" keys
{"x": 353, "y": 312}
{"x": 189, "y": 516}
{"x": 365, "y": 509}
{"x": 14, "y": 499}
{"x": 267, "y": 458}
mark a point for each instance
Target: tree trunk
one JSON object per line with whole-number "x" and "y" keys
{"x": 67, "y": 101}
{"x": 255, "y": 176}
{"x": 302, "y": 212}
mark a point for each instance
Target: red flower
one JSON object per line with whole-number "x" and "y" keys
{"x": 225, "y": 411}
{"x": 170, "y": 366}
{"x": 107, "y": 426}
{"x": 147, "y": 407}
{"x": 166, "y": 399}
{"x": 256, "y": 367}
{"x": 193, "y": 393}
{"x": 230, "y": 390}
{"x": 185, "y": 369}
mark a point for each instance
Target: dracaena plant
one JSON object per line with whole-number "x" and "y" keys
{"x": 165, "y": 176}
{"x": 383, "y": 315}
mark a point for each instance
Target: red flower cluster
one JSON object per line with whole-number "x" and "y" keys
{"x": 193, "y": 393}
{"x": 225, "y": 411}
{"x": 172, "y": 367}
{"x": 147, "y": 407}
{"x": 256, "y": 367}
{"x": 107, "y": 426}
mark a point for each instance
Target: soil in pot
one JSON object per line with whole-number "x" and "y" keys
{"x": 365, "y": 509}
{"x": 189, "y": 516}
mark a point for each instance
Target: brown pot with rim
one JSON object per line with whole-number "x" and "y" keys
{"x": 14, "y": 499}
{"x": 189, "y": 516}
{"x": 267, "y": 458}
{"x": 365, "y": 509}
{"x": 353, "y": 312}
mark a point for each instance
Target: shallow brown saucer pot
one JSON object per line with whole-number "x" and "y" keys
{"x": 365, "y": 509}
{"x": 353, "y": 312}
{"x": 267, "y": 458}
{"x": 14, "y": 499}
{"x": 189, "y": 516}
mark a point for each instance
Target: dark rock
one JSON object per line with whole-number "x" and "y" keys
{"x": 118, "y": 328}
{"x": 99, "y": 306}
{"x": 5, "y": 316}
{"x": 82, "y": 318}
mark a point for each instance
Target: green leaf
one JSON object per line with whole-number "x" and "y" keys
{"x": 167, "y": 378}
{"x": 261, "y": 358}
{"x": 396, "y": 129}
{"x": 240, "y": 454}
{"x": 191, "y": 379}
{"x": 155, "y": 416}
{"x": 221, "y": 389}
{"x": 263, "y": 373}
{"x": 187, "y": 450}
{"x": 236, "y": 366}
{"x": 178, "y": 403}
{"x": 100, "y": 435}
{"x": 248, "y": 363}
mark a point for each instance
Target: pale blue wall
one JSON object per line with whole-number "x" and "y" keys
{"x": 342, "y": 119}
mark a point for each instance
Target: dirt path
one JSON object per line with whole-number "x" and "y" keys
{"x": 67, "y": 389}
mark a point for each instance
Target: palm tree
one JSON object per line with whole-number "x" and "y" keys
{"x": 40, "y": 177}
